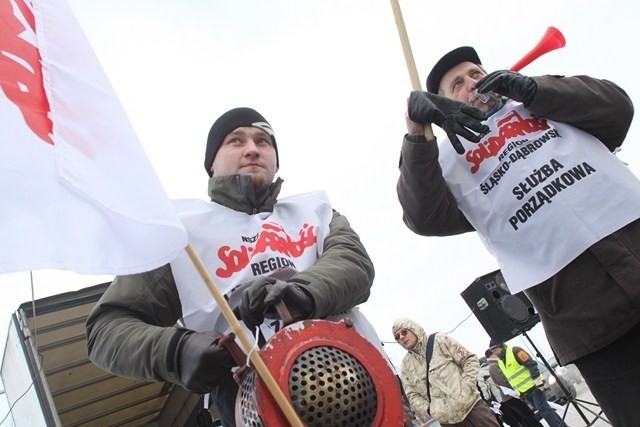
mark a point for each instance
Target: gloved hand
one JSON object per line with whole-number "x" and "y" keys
{"x": 510, "y": 84}
{"x": 261, "y": 296}
{"x": 202, "y": 363}
{"x": 455, "y": 118}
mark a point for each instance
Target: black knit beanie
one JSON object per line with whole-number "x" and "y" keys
{"x": 227, "y": 123}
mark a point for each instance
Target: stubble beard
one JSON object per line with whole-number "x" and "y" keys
{"x": 260, "y": 186}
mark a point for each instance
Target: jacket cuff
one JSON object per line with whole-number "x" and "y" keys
{"x": 417, "y": 138}
{"x": 173, "y": 355}
{"x": 546, "y": 93}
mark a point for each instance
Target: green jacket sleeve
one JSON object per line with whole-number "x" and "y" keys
{"x": 343, "y": 275}
{"x": 131, "y": 331}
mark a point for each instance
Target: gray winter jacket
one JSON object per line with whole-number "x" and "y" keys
{"x": 132, "y": 330}
{"x": 596, "y": 298}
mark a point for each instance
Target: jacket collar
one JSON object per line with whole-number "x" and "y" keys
{"x": 236, "y": 192}
{"x": 503, "y": 353}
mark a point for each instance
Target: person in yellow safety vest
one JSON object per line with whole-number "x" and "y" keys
{"x": 524, "y": 376}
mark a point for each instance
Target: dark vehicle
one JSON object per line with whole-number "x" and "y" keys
{"x": 49, "y": 381}
{"x": 552, "y": 388}
{"x": 569, "y": 372}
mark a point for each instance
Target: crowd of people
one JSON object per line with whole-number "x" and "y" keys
{"x": 550, "y": 137}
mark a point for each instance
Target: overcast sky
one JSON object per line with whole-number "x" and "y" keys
{"x": 330, "y": 77}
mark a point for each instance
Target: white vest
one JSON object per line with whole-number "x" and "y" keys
{"x": 277, "y": 244}
{"x": 539, "y": 192}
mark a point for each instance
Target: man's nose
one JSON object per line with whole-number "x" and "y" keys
{"x": 251, "y": 148}
{"x": 470, "y": 82}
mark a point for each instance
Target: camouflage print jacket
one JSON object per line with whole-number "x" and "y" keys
{"x": 453, "y": 374}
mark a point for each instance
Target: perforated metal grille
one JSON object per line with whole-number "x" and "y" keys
{"x": 248, "y": 409}
{"x": 329, "y": 387}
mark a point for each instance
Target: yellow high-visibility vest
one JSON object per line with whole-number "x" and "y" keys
{"x": 518, "y": 375}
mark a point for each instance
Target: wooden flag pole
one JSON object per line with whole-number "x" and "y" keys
{"x": 408, "y": 57}
{"x": 254, "y": 356}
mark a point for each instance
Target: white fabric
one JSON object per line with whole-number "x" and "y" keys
{"x": 508, "y": 391}
{"x": 77, "y": 190}
{"x": 539, "y": 193}
{"x": 277, "y": 244}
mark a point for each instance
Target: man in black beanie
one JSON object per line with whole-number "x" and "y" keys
{"x": 227, "y": 123}
{"x": 260, "y": 250}
{"x": 236, "y": 125}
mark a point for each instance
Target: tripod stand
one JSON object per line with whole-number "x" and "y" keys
{"x": 577, "y": 403}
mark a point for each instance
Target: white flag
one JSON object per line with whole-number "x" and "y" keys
{"x": 77, "y": 191}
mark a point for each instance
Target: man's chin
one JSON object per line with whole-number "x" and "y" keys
{"x": 260, "y": 183}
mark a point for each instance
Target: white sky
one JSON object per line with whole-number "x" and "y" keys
{"x": 330, "y": 77}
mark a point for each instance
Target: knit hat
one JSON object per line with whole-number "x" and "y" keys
{"x": 227, "y": 123}
{"x": 447, "y": 62}
{"x": 494, "y": 344}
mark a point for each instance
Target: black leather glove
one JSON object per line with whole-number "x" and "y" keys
{"x": 455, "y": 118}
{"x": 510, "y": 84}
{"x": 202, "y": 363}
{"x": 261, "y": 296}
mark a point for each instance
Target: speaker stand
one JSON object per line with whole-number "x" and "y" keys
{"x": 577, "y": 403}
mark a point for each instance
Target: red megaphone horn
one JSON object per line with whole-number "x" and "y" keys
{"x": 551, "y": 40}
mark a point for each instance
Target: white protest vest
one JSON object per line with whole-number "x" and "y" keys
{"x": 237, "y": 247}
{"x": 538, "y": 192}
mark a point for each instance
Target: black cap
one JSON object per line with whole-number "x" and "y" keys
{"x": 447, "y": 62}
{"x": 494, "y": 344}
{"x": 227, "y": 123}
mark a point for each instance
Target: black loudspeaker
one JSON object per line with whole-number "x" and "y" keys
{"x": 502, "y": 315}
